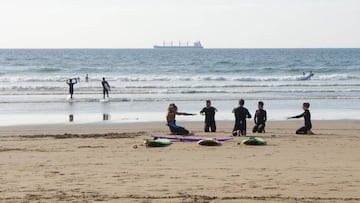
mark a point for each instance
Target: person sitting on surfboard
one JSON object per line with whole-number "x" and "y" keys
{"x": 71, "y": 82}
{"x": 307, "y": 118}
{"x": 209, "y": 112}
{"x": 260, "y": 119}
{"x": 241, "y": 113}
{"x": 106, "y": 88}
{"x": 171, "y": 122}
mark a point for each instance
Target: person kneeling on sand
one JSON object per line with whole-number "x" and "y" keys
{"x": 171, "y": 122}
{"x": 209, "y": 112}
{"x": 307, "y": 118}
{"x": 241, "y": 113}
{"x": 260, "y": 119}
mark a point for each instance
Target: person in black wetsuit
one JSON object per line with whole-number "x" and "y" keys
{"x": 209, "y": 112}
{"x": 307, "y": 118}
{"x": 241, "y": 113}
{"x": 260, "y": 118}
{"x": 106, "y": 88}
{"x": 71, "y": 82}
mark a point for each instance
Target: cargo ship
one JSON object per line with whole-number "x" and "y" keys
{"x": 171, "y": 45}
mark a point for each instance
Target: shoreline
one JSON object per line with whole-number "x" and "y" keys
{"x": 223, "y": 126}
{"x": 109, "y": 162}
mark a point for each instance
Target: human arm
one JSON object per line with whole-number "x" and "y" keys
{"x": 202, "y": 111}
{"x": 265, "y": 116}
{"x": 255, "y": 118}
{"x": 298, "y": 116}
{"x": 248, "y": 114}
{"x": 185, "y": 114}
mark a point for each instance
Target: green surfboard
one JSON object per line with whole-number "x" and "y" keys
{"x": 254, "y": 141}
{"x": 209, "y": 142}
{"x": 160, "y": 142}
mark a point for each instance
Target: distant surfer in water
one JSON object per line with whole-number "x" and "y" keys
{"x": 71, "y": 82}
{"x": 307, "y": 118}
{"x": 241, "y": 113}
{"x": 106, "y": 88}
{"x": 260, "y": 118}
{"x": 171, "y": 121}
{"x": 209, "y": 112}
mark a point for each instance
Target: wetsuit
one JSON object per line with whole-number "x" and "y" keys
{"x": 209, "y": 118}
{"x": 259, "y": 119}
{"x": 241, "y": 113}
{"x": 178, "y": 130}
{"x": 307, "y": 119}
{"x": 106, "y": 88}
{"x": 71, "y": 87}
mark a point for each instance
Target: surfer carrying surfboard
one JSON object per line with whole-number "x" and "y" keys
{"x": 171, "y": 121}
{"x": 106, "y": 88}
{"x": 71, "y": 82}
{"x": 307, "y": 118}
{"x": 241, "y": 113}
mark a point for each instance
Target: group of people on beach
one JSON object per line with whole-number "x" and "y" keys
{"x": 72, "y": 81}
{"x": 241, "y": 114}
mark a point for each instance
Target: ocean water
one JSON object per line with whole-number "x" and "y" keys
{"x": 145, "y": 81}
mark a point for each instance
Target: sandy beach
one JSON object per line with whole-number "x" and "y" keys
{"x": 108, "y": 162}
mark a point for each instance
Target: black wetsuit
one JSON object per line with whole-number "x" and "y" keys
{"x": 105, "y": 85}
{"x": 241, "y": 113}
{"x": 209, "y": 118}
{"x": 307, "y": 119}
{"x": 71, "y": 87}
{"x": 259, "y": 119}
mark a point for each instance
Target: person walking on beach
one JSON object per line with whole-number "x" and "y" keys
{"x": 260, "y": 119}
{"x": 71, "y": 82}
{"x": 106, "y": 88}
{"x": 241, "y": 113}
{"x": 209, "y": 113}
{"x": 307, "y": 118}
{"x": 171, "y": 121}
{"x": 87, "y": 78}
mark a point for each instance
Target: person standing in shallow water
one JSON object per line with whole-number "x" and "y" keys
{"x": 71, "y": 82}
{"x": 106, "y": 88}
{"x": 307, "y": 118}
{"x": 241, "y": 114}
{"x": 209, "y": 112}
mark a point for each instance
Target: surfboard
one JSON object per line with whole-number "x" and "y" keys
{"x": 68, "y": 99}
{"x": 306, "y": 77}
{"x": 187, "y": 138}
{"x": 105, "y": 100}
{"x": 209, "y": 142}
{"x": 161, "y": 142}
{"x": 254, "y": 141}
{"x": 107, "y": 86}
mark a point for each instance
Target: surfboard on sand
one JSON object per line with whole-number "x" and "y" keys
{"x": 254, "y": 141}
{"x": 187, "y": 138}
{"x": 209, "y": 142}
{"x": 161, "y": 142}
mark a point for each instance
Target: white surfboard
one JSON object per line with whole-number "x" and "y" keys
{"x": 105, "y": 100}
{"x": 68, "y": 99}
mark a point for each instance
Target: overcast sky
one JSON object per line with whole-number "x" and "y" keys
{"x": 143, "y": 23}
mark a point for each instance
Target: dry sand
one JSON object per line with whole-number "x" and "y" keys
{"x": 108, "y": 162}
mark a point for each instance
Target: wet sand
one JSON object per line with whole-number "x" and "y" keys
{"x": 108, "y": 162}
